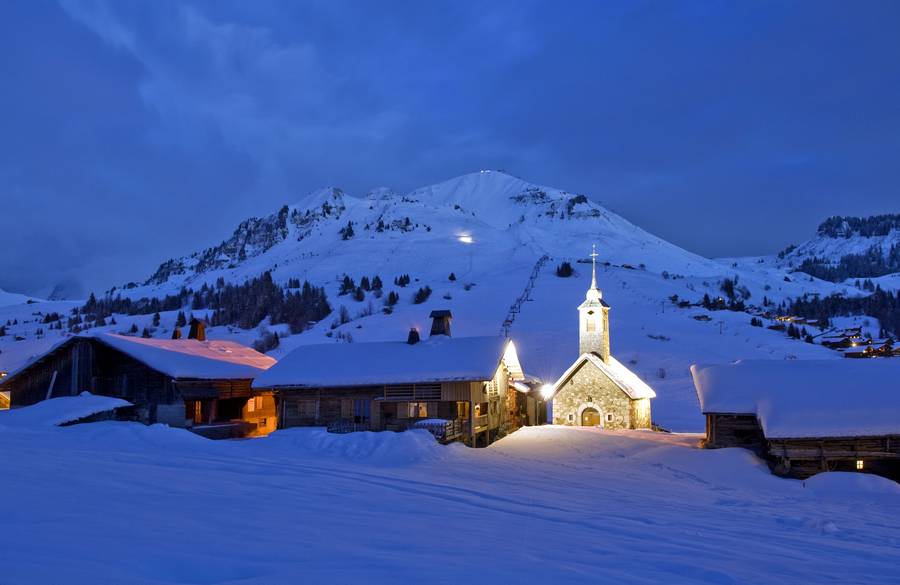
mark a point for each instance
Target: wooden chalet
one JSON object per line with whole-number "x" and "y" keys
{"x": 806, "y": 416}
{"x": 193, "y": 383}
{"x": 871, "y": 348}
{"x": 469, "y": 389}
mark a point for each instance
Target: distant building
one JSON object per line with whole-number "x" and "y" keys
{"x": 192, "y": 383}
{"x": 468, "y": 389}
{"x": 597, "y": 390}
{"x": 806, "y": 416}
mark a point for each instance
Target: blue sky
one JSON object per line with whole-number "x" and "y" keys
{"x": 137, "y": 131}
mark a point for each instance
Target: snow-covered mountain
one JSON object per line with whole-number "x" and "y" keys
{"x": 848, "y": 248}
{"x": 490, "y": 231}
{"x": 490, "y": 216}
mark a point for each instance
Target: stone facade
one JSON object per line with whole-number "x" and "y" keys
{"x": 589, "y": 387}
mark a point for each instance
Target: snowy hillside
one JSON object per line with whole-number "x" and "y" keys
{"x": 489, "y": 230}
{"x": 846, "y": 249}
{"x": 7, "y": 299}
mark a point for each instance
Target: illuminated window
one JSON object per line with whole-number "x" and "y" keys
{"x": 462, "y": 410}
{"x": 251, "y": 405}
{"x": 417, "y": 410}
{"x": 859, "y": 464}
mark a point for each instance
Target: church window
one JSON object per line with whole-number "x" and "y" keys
{"x": 571, "y": 417}
{"x": 609, "y": 417}
{"x": 591, "y": 325}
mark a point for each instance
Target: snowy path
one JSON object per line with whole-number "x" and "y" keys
{"x": 122, "y": 503}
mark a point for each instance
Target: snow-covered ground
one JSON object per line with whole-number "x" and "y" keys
{"x": 124, "y": 503}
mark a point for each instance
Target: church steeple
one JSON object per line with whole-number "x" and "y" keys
{"x": 593, "y": 318}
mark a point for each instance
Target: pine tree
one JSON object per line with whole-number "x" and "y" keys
{"x": 364, "y": 283}
{"x": 564, "y": 270}
{"x": 180, "y": 320}
{"x": 359, "y": 295}
{"x": 422, "y": 295}
{"x": 146, "y": 333}
{"x": 133, "y": 329}
{"x": 156, "y": 319}
{"x": 452, "y": 277}
{"x": 392, "y": 299}
{"x": 347, "y": 285}
{"x": 347, "y": 231}
{"x": 376, "y": 283}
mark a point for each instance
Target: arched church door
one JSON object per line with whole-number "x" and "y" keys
{"x": 590, "y": 417}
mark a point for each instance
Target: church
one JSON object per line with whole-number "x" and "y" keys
{"x": 597, "y": 390}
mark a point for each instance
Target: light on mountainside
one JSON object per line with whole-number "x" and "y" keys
{"x": 465, "y": 238}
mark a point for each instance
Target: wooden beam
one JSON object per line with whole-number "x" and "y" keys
{"x": 52, "y": 383}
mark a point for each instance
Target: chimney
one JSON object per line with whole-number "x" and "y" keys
{"x": 440, "y": 322}
{"x": 198, "y": 330}
{"x": 176, "y": 333}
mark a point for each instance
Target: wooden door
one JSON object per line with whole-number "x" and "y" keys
{"x": 590, "y": 417}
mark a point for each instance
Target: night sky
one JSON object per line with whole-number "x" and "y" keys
{"x": 131, "y": 132}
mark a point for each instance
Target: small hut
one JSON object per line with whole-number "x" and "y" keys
{"x": 806, "y": 416}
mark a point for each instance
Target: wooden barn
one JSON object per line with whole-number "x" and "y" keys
{"x": 466, "y": 389}
{"x": 806, "y": 416}
{"x": 198, "y": 384}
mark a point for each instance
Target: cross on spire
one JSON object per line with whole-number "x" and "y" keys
{"x": 594, "y": 265}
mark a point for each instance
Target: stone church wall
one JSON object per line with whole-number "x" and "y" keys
{"x": 589, "y": 386}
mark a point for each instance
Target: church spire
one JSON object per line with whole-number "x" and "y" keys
{"x": 593, "y": 293}
{"x": 593, "y": 320}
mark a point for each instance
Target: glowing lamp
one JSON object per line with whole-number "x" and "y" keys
{"x": 465, "y": 239}
{"x": 547, "y": 391}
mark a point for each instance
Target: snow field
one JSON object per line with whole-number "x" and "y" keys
{"x": 124, "y": 503}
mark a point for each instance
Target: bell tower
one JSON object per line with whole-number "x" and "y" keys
{"x": 593, "y": 318}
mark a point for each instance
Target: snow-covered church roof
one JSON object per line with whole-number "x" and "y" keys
{"x": 436, "y": 359}
{"x": 628, "y": 381}
{"x": 806, "y": 398}
{"x": 190, "y": 358}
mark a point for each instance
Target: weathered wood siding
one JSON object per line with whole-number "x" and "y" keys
{"x": 734, "y": 430}
{"x": 307, "y": 407}
{"x": 801, "y": 458}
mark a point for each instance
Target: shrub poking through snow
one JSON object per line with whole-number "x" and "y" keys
{"x": 564, "y": 270}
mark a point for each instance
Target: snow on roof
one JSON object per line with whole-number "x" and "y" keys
{"x": 621, "y": 376}
{"x": 57, "y": 411}
{"x": 806, "y": 398}
{"x": 190, "y": 358}
{"x": 436, "y": 359}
